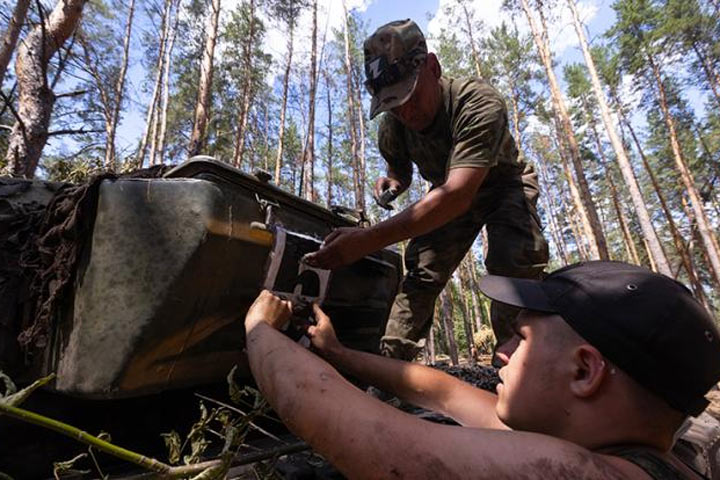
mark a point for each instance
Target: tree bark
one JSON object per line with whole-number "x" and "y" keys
{"x": 703, "y": 224}
{"x": 655, "y": 248}
{"x": 329, "y": 142}
{"x": 172, "y": 33}
{"x": 283, "y": 107}
{"x": 309, "y": 150}
{"x": 446, "y": 312}
{"x": 35, "y": 97}
{"x": 713, "y": 77}
{"x": 202, "y": 107}
{"x": 10, "y": 37}
{"x": 555, "y": 230}
{"x": 476, "y": 56}
{"x": 359, "y": 201}
{"x": 239, "y": 149}
{"x": 678, "y": 240}
{"x": 460, "y": 299}
{"x": 110, "y": 161}
{"x": 154, "y": 101}
{"x": 596, "y": 236}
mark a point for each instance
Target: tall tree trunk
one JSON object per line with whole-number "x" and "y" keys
{"x": 555, "y": 230}
{"x": 476, "y": 56}
{"x": 430, "y": 346}
{"x": 309, "y": 150}
{"x": 202, "y": 107}
{"x": 329, "y": 142}
{"x": 10, "y": 37}
{"x": 239, "y": 149}
{"x": 619, "y": 212}
{"x": 460, "y": 299}
{"x": 712, "y": 76}
{"x": 172, "y": 33}
{"x": 575, "y": 197}
{"x": 446, "y": 312}
{"x": 351, "y": 115}
{"x": 119, "y": 91}
{"x": 361, "y": 149}
{"x": 283, "y": 104}
{"x": 678, "y": 241}
{"x": 596, "y": 236}
{"x": 152, "y": 112}
{"x": 35, "y": 97}
{"x": 703, "y": 224}
{"x": 514, "y": 105}
{"x": 626, "y": 170}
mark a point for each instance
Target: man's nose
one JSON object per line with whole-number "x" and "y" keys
{"x": 504, "y": 352}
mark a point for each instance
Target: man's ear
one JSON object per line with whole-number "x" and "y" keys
{"x": 434, "y": 65}
{"x": 590, "y": 370}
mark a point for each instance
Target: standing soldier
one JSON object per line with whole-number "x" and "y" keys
{"x": 456, "y": 132}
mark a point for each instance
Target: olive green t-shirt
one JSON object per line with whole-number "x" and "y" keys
{"x": 469, "y": 130}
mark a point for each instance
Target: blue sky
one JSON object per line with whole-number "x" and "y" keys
{"x": 597, "y": 14}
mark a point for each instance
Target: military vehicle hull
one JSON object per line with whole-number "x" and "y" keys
{"x": 169, "y": 270}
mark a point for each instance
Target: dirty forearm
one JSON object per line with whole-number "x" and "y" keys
{"x": 289, "y": 377}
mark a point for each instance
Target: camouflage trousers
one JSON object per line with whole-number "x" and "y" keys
{"x": 515, "y": 248}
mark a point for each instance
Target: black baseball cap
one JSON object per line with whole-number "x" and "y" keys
{"x": 647, "y": 324}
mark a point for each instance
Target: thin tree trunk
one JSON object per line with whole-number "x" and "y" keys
{"x": 703, "y": 224}
{"x": 712, "y": 76}
{"x": 430, "y": 346}
{"x": 596, "y": 236}
{"x": 172, "y": 33}
{"x": 309, "y": 151}
{"x": 202, "y": 107}
{"x": 446, "y": 312}
{"x": 476, "y": 56}
{"x": 514, "y": 101}
{"x": 626, "y": 170}
{"x": 361, "y": 152}
{"x": 283, "y": 107}
{"x": 575, "y": 198}
{"x": 247, "y": 87}
{"x": 119, "y": 91}
{"x": 155, "y": 99}
{"x": 10, "y": 37}
{"x": 459, "y": 299}
{"x": 329, "y": 142}
{"x": 620, "y": 214}
{"x": 351, "y": 115}
{"x": 555, "y": 230}
{"x": 678, "y": 241}
{"x": 35, "y": 97}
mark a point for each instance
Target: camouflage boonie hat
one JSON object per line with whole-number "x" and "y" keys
{"x": 392, "y": 57}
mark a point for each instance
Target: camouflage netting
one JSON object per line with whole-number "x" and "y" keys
{"x": 39, "y": 251}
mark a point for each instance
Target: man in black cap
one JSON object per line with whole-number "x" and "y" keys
{"x": 456, "y": 132}
{"x": 607, "y": 361}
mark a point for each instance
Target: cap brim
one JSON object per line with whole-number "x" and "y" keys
{"x": 518, "y": 292}
{"x": 393, "y": 95}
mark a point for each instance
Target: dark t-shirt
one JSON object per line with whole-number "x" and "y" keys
{"x": 469, "y": 130}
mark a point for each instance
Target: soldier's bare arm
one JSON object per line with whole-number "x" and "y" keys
{"x": 411, "y": 382}
{"x": 439, "y": 206}
{"x": 365, "y": 438}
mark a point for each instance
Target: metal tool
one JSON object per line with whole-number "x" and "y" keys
{"x": 387, "y": 196}
{"x": 288, "y": 277}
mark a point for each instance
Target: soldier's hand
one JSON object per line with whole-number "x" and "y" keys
{"x": 342, "y": 247}
{"x": 322, "y": 334}
{"x": 269, "y": 309}
{"x": 387, "y": 183}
